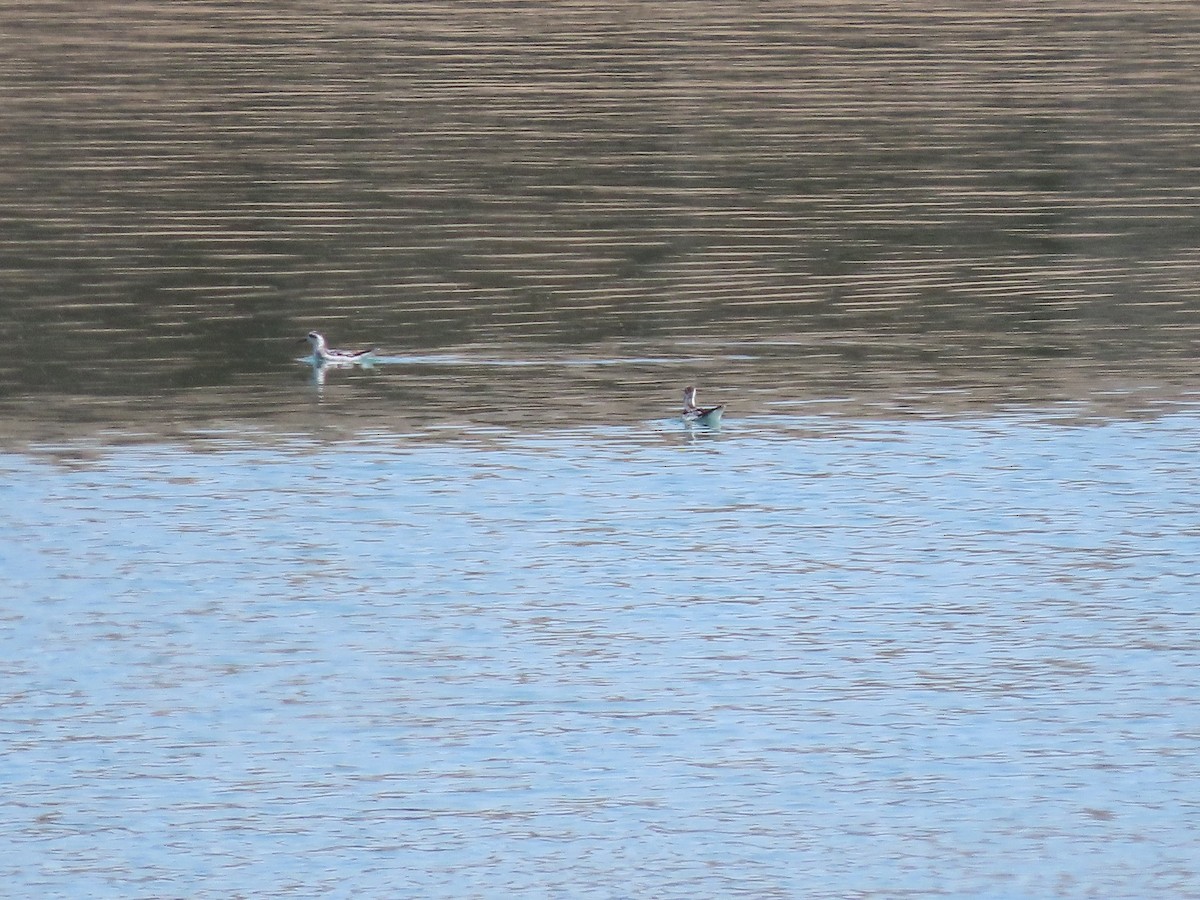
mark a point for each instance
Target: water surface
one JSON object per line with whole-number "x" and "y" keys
{"x": 486, "y": 618}
{"x": 609, "y": 660}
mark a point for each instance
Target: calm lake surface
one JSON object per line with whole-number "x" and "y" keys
{"x": 486, "y": 618}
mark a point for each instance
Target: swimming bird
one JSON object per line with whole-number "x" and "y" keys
{"x": 323, "y": 354}
{"x": 709, "y": 415}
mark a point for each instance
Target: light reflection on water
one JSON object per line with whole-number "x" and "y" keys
{"x": 604, "y": 660}
{"x": 487, "y": 619}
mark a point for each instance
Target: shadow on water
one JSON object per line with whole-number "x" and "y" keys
{"x": 909, "y": 200}
{"x": 525, "y": 386}
{"x": 487, "y": 618}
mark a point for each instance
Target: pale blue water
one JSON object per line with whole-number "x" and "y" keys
{"x": 803, "y": 656}
{"x": 482, "y": 621}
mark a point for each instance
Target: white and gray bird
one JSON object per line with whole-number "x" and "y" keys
{"x": 323, "y": 354}
{"x": 705, "y": 415}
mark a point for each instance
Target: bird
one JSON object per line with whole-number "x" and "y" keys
{"x": 709, "y": 415}
{"x": 322, "y": 354}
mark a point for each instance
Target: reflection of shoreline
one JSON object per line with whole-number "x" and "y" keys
{"x": 441, "y": 396}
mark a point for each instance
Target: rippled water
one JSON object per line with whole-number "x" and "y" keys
{"x": 486, "y": 618}
{"x": 802, "y": 656}
{"x": 191, "y": 185}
